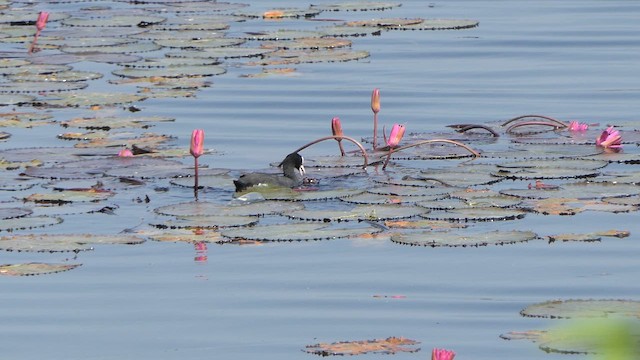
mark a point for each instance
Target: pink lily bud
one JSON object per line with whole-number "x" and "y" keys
{"x": 42, "y": 20}
{"x": 336, "y": 127}
{"x": 125, "y": 153}
{"x": 442, "y": 354}
{"x": 375, "y": 101}
{"x": 397, "y": 132}
{"x": 197, "y": 143}
{"x": 610, "y": 138}
{"x": 577, "y": 126}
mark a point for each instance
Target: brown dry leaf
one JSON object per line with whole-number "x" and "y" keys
{"x": 558, "y": 206}
{"x": 389, "y": 345}
{"x": 614, "y": 233}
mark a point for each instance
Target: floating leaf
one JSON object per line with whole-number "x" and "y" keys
{"x": 171, "y": 72}
{"x": 115, "y": 122}
{"x": 439, "y": 24}
{"x": 92, "y": 99}
{"x": 190, "y": 236}
{"x": 476, "y": 214}
{"x": 114, "y": 21}
{"x": 389, "y": 345}
{"x": 31, "y": 269}
{"x": 62, "y": 242}
{"x": 306, "y": 195}
{"x": 385, "y": 23}
{"x": 203, "y": 208}
{"x": 215, "y": 42}
{"x": 296, "y": 232}
{"x": 61, "y": 76}
{"x": 544, "y": 173}
{"x": 30, "y": 222}
{"x": 70, "y": 196}
{"x": 369, "y": 198}
{"x": 100, "y": 57}
{"x": 359, "y": 213}
{"x": 15, "y": 99}
{"x": 14, "y": 212}
{"x": 565, "y": 309}
{"x": 207, "y": 222}
{"x": 40, "y": 87}
{"x": 452, "y": 238}
{"x": 357, "y": 6}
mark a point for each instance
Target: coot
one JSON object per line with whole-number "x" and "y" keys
{"x": 292, "y": 172}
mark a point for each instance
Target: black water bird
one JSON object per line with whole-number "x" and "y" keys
{"x": 292, "y": 175}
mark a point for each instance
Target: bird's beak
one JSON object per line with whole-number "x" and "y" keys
{"x": 302, "y": 170}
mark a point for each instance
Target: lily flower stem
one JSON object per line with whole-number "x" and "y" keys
{"x": 560, "y": 123}
{"x": 337, "y": 137}
{"x": 391, "y": 151}
{"x": 341, "y": 147}
{"x": 375, "y": 131}
{"x": 195, "y": 184}
{"x": 33, "y": 43}
{"x": 527, "y": 123}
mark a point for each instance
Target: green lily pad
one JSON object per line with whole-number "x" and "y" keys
{"x": 282, "y": 34}
{"x": 127, "y": 48}
{"x": 171, "y": 72}
{"x": 99, "y": 57}
{"x": 114, "y": 21}
{"x": 40, "y": 87}
{"x": 309, "y": 44}
{"x": 409, "y": 190}
{"x": 203, "y": 208}
{"x": 15, "y": 99}
{"x": 70, "y": 196}
{"x": 476, "y": 214}
{"x": 223, "y": 53}
{"x": 359, "y": 213}
{"x": 463, "y": 239}
{"x": 296, "y": 232}
{"x": 371, "y": 199}
{"x": 32, "y": 269}
{"x": 579, "y": 190}
{"x": 62, "y": 242}
{"x": 84, "y": 99}
{"x": 385, "y": 22}
{"x": 544, "y": 173}
{"x": 280, "y": 13}
{"x": 566, "y": 309}
{"x": 286, "y": 194}
{"x": 215, "y": 42}
{"x": 14, "y": 212}
{"x": 439, "y": 24}
{"x": 115, "y": 122}
{"x": 357, "y": 6}
{"x": 29, "y": 222}
{"x": 207, "y": 222}
{"x": 289, "y": 57}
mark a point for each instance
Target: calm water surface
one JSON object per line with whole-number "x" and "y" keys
{"x": 570, "y": 60}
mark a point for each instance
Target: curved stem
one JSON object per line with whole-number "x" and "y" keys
{"x": 336, "y": 137}
{"x": 562, "y": 124}
{"x": 466, "y": 127}
{"x": 391, "y": 151}
{"x": 526, "y": 123}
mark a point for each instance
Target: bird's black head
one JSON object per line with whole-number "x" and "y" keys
{"x": 293, "y": 161}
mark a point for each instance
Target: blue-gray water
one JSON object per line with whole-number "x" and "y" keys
{"x": 570, "y": 60}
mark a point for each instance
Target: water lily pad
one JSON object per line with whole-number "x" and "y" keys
{"x": 400, "y": 190}
{"x": 288, "y": 57}
{"x": 203, "y": 208}
{"x": 296, "y": 232}
{"x": 223, "y": 53}
{"x": 115, "y": 122}
{"x": 579, "y": 190}
{"x": 114, "y": 21}
{"x": 369, "y": 198}
{"x": 543, "y": 173}
{"x": 359, "y": 213}
{"x": 171, "y": 72}
{"x": 357, "y": 6}
{"x": 566, "y": 309}
{"x": 85, "y": 99}
{"x": 215, "y": 42}
{"x": 140, "y": 167}
{"x": 100, "y": 57}
{"x": 14, "y": 212}
{"x": 389, "y": 345}
{"x": 70, "y": 196}
{"x": 476, "y": 214}
{"x": 439, "y": 24}
{"x": 32, "y": 269}
{"x": 588, "y": 237}
{"x": 309, "y": 43}
{"x": 279, "y": 13}
{"x": 194, "y": 236}
{"x": 15, "y": 99}
{"x": 62, "y": 242}
{"x": 207, "y": 222}
{"x": 385, "y": 22}
{"x": 282, "y": 34}
{"x": 40, "y": 87}
{"x": 287, "y": 194}
{"x": 464, "y": 239}
{"x": 29, "y": 222}
{"x": 127, "y": 48}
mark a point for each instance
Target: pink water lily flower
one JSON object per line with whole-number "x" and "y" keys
{"x": 125, "y": 153}
{"x": 577, "y": 126}
{"x": 336, "y": 127}
{"x": 43, "y": 17}
{"x": 610, "y": 138}
{"x": 397, "y": 132}
{"x": 442, "y": 354}
{"x": 197, "y": 143}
